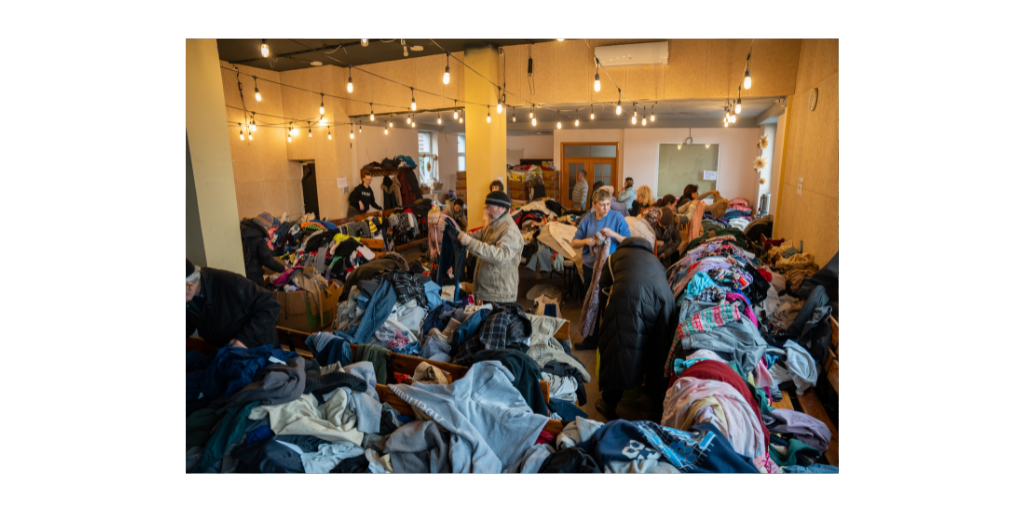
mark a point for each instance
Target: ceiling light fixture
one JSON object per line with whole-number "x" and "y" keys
{"x": 351, "y": 134}
{"x": 447, "y": 75}
{"x": 264, "y": 49}
{"x": 644, "y": 123}
{"x": 310, "y": 128}
{"x": 739, "y": 100}
{"x": 350, "y": 79}
{"x": 329, "y": 135}
{"x": 597, "y": 75}
{"x": 371, "y": 111}
{"x": 413, "y": 93}
{"x": 365, "y": 42}
{"x": 513, "y": 114}
{"x": 652, "y": 111}
{"x": 321, "y": 103}
{"x": 746, "y": 78}
{"x": 499, "y": 101}
{"x": 258, "y": 97}
{"x": 618, "y": 106}
{"x": 488, "y": 114}
{"x": 241, "y": 136}
{"x": 439, "y": 119}
{"x": 591, "y": 111}
{"x": 534, "y": 121}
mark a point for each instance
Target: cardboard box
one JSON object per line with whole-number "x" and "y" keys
{"x": 299, "y": 309}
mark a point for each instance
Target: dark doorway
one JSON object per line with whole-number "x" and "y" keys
{"x": 309, "y": 199}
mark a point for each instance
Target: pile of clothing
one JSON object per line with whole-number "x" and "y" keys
{"x": 404, "y": 189}
{"x": 739, "y": 213}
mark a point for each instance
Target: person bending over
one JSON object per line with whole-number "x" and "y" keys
{"x": 498, "y": 247}
{"x": 362, "y": 197}
{"x": 610, "y": 225}
{"x": 226, "y": 308}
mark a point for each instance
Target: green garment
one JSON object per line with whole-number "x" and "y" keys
{"x": 198, "y": 427}
{"x": 759, "y": 394}
{"x": 376, "y": 355}
{"x": 228, "y": 434}
{"x": 795, "y": 447}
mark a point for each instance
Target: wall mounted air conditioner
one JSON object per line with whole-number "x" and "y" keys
{"x": 633, "y": 54}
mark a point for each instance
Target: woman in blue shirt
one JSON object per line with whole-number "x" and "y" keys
{"x": 612, "y": 226}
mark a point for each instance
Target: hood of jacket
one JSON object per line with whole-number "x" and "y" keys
{"x": 250, "y": 229}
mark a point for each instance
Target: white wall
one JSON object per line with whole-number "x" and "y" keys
{"x": 533, "y": 146}
{"x": 767, "y": 173}
{"x": 448, "y": 159}
{"x": 737, "y": 150}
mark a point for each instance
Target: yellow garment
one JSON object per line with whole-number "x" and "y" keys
{"x": 339, "y": 238}
{"x": 332, "y": 421}
{"x": 695, "y": 407}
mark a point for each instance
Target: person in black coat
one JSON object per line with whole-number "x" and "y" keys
{"x": 256, "y": 252}
{"x": 637, "y": 325}
{"x": 227, "y": 308}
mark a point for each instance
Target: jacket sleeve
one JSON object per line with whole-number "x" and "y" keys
{"x": 353, "y": 201}
{"x": 506, "y": 250}
{"x": 267, "y": 258}
{"x": 373, "y": 201}
{"x": 263, "y": 313}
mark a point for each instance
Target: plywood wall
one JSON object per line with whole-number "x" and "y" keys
{"x": 812, "y": 153}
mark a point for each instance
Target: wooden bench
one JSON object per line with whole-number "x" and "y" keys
{"x": 811, "y": 405}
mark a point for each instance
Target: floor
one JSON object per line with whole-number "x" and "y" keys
{"x": 634, "y": 411}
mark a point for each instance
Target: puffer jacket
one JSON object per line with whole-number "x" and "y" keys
{"x": 233, "y": 308}
{"x": 256, "y": 253}
{"x": 498, "y": 248}
{"x": 638, "y": 320}
{"x": 367, "y": 271}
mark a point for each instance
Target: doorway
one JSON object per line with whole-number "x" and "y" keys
{"x": 309, "y": 198}
{"x": 599, "y": 160}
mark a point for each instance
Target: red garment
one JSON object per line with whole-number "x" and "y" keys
{"x": 545, "y": 438}
{"x": 765, "y": 273}
{"x": 714, "y": 370}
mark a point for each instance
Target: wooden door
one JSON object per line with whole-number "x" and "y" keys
{"x": 599, "y": 160}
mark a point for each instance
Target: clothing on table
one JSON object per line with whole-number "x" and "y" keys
{"x": 332, "y": 421}
{"x": 273, "y": 384}
{"x": 276, "y": 454}
{"x": 232, "y": 368}
{"x": 808, "y": 429}
{"x": 505, "y": 327}
{"x": 377, "y": 356}
{"x": 743, "y": 426}
{"x": 492, "y": 425}
{"x": 526, "y": 375}
{"x": 533, "y": 460}
{"x": 329, "y": 348}
{"x": 798, "y": 366}
{"x": 228, "y": 434}
{"x": 570, "y": 460}
{"x": 739, "y": 340}
{"x": 419, "y": 447}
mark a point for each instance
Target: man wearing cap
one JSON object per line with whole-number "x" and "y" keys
{"x": 256, "y": 249}
{"x": 226, "y": 308}
{"x": 498, "y": 247}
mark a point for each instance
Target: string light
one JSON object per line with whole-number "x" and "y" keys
{"x": 488, "y": 114}
{"x": 385, "y": 130}
{"x": 323, "y": 121}
{"x": 252, "y": 123}
{"x": 408, "y": 120}
{"x": 289, "y": 137}
{"x": 329, "y": 134}
{"x": 351, "y": 134}
{"x": 447, "y": 76}
{"x": 391, "y": 123}
{"x": 739, "y": 100}
{"x": 559, "y": 124}
{"x": 531, "y": 111}
{"x": 413, "y": 92}
{"x": 644, "y": 123}
{"x": 707, "y": 146}
{"x": 591, "y": 111}
{"x": 250, "y": 136}
{"x": 360, "y": 127}
{"x": 597, "y": 75}
{"x": 652, "y": 111}
{"x": 618, "y": 106}
{"x": 732, "y": 118}
{"x": 321, "y": 103}
{"x": 439, "y": 119}
{"x": 365, "y": 42}
{"x": 241, "y": 136}
{"x": 310, "y": 131}
{"x": 534, "y": 121}
{"x": 371, "y": 111}
{"x": 456, "y": 110}
{"x": 746, "y": 78}
{"x": 499, "y": 102}
{"x": 258, "y": 97}
{"x": 264, "y": 49}
{"x": 462, "y": 118}
{"x": 513, "y": 114}
{"x": 350, "y": 78}
{"x": 634, "y": 113}
{"x": 414, "y": 124}
{"x": 577, "y": 118}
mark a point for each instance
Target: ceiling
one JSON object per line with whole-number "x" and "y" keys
{"x": 289, "y": 54}
{"x": 670, "y": 114}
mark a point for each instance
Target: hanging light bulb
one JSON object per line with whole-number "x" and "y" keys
{"x": 680, "y": 146}
{"x": 321, "y": 103}
{"x": 414, "y": 124}
{"x": 644, "y": 122}
{"x": 360, "y": 127}
{"x": 391, "y": 123}
{"x": 252, "y": 124}
{"x": 365, "y": 42}
{"x": 739, "y": 101}
{"x": 351, "y": 134}
{"x": 439, "y": 119}
{"x": 289, "y": 137}
{"x": 634, "y": 113}
{"x": 241, "y": 136}
{"x": 732, "y": 118}
{"x": 618, "y": 108}
{"x": 513, "y": 114}
{"x": 456, "y": 114}
{"x": 597, "y": 75}
{"x": 577, "y": 119}
{"x": 746, "y": 80}
{"x": 559, "y": 125}
{"x": 258, "y": 97}
{"x": 447, "y": 76}
{"x": 408, "y": 120}
{"x": 413, "y": 91}
{"x": 499, "y": 107}
{"x": 250, "y": 136}
{"x": 534, "y": 121}
{"x": 323, "y": 121}
{"x": 462, "y": 118}
{"x": 707, "y": 146}
{"x": 488, "y": 114}
{"x": 591, "y": 111}
{"x": 652, "y": 113}
{"x": 633, "y": 119}
{"x": 264, "y": 49}
{"x": 371, "y": 111}
{"x": 385, "y": 130}
{"x": 311, "y": 133}
{"x": 329, "y": 135}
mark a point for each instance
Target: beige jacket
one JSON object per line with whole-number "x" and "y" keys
{"x": 498, "y": 248}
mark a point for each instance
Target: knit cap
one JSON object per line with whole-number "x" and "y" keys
{"x": 266, "y": 220}
{"x": 498, "y": 198}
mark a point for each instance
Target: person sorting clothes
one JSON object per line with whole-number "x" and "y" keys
{"x": 256, "y": 249}
{"x": 498, "y": 247}
{"x": 362, "y": 197}
{"x": 608, "y": 225}
{"x": 226, "y": 308}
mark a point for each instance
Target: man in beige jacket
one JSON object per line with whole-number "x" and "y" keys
{"x": 498, "y": 247}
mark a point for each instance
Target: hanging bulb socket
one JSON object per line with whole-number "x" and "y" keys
{"x": 652, "y": 113}
{"x": 591, "y": 111}
{"x": 258, "y": 97}
{"x": 488, "y": 114}
{"x": 321, "y": 103}
{"x": 329, "y": 135}
{"x": 746, "y": 80}
{"x": 447, "y": 75}
{"x": 413, "y": 91}
{"x": 364, "y": 42}
{"x": 264, "y": 49}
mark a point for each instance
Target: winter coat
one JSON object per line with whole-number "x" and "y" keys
{"x": 233, "y": 308}
{"x": 367, "y": 271}
{"x": 638, "y": 321}
{"x": 256, "y": 252}
{"x": 498, "y": 248}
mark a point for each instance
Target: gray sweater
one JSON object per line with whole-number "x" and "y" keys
{"x": 579, "y": 194}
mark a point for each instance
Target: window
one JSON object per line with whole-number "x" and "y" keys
{"x": 427, "y": 163}
{"x": 462, "y": 152}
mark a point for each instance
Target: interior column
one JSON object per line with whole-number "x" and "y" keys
{"x": 211, "y": 206}
{"x": 485, "y": 142}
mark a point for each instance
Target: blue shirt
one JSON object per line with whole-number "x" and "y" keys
{"x": 589, "y": 226}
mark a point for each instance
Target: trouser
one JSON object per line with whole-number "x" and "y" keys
{"x": 611, "y": 397}
{"x": 588, "y": 276}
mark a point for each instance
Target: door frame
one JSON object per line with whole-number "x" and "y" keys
{"x": 566, "y": 193}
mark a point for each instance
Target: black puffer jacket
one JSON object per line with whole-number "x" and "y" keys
{"x": 638, "y": 321}
{"x": 256, "y": 252}
{"x": 367, "y": 271}
{"x": 233, "y": 307}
